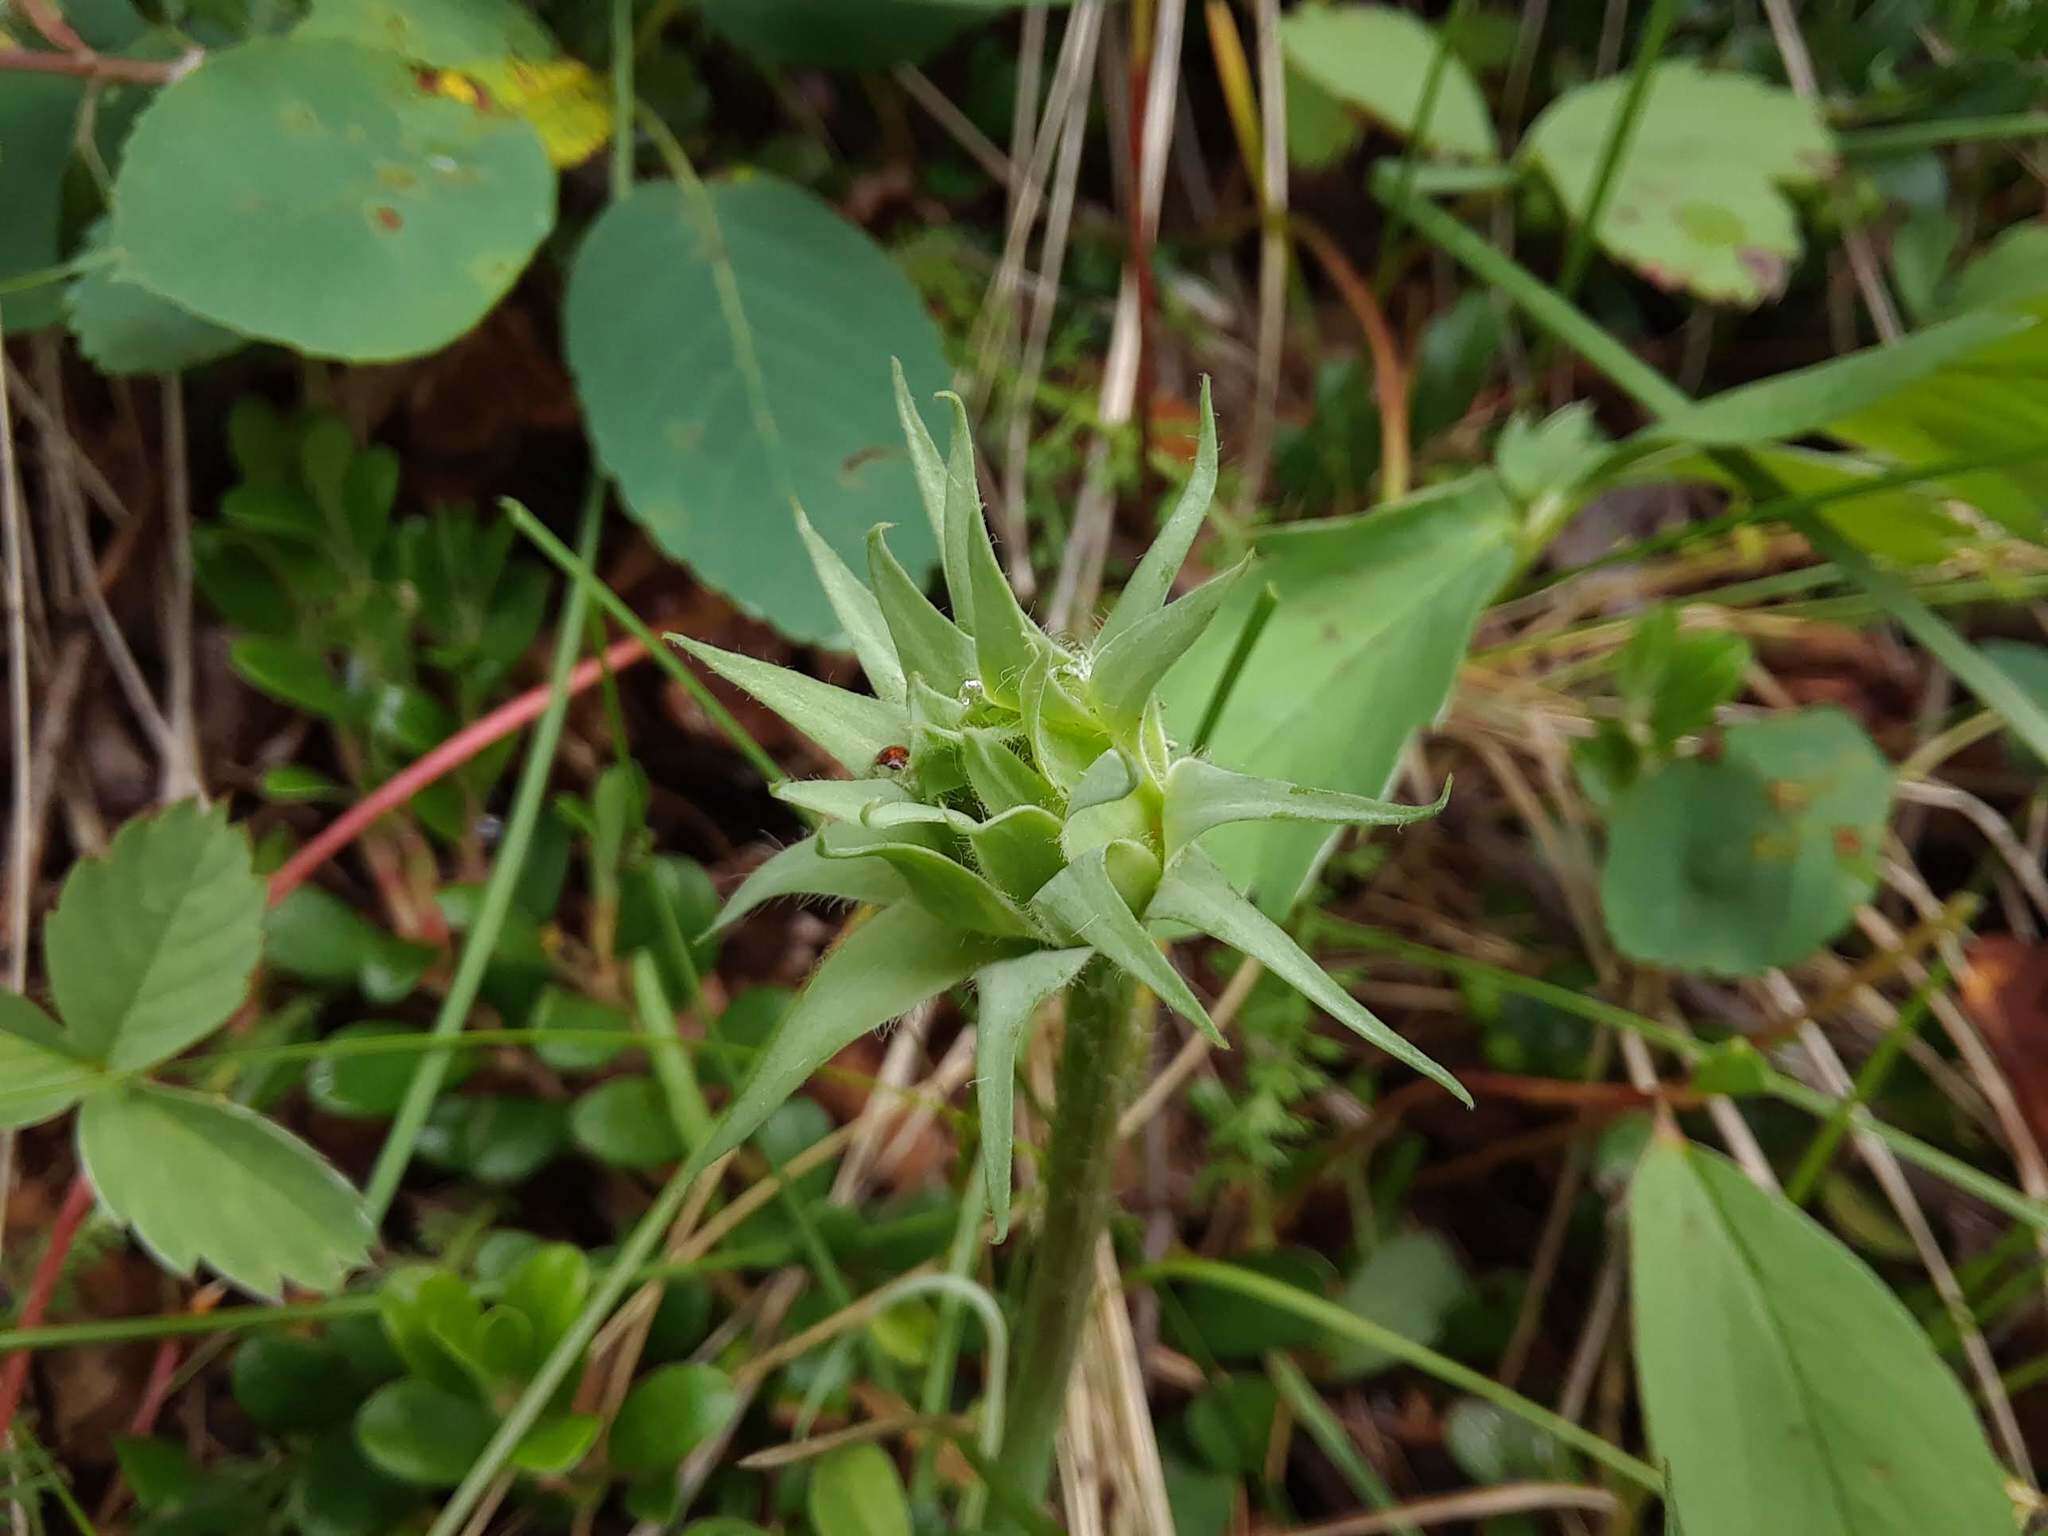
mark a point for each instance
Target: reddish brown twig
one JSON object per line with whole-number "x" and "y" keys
{"x": 94, "y": 66}
{"x": 70, "y": 1216}
{"x": 444, "y": 759}
{"x": 49, "y": 21}
{"x": 1389, "y": 374}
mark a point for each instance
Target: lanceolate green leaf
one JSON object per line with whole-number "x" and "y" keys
{"x": 853, "y": 727}
{"x": 150, "y": 948}
{"x": 801, "y": 870}
{"x": 1787, "y": 1389}
{"x": 1001, "y": 779}
{"x": 859, "y": 614}
{"x": 1004, "y": 639}
{"x": 930, "y": 645}
{"x": 207, "y": 1181}
{"x": 1085, "y": 903}
{"x": 1200, "y": 795}
{"x": 1011, "y": 992}
{"x": 39, "y": 1075}
{"x": 1145, "y": 593}
{"x": 925, "y": 463}
{"x": 879, "y": 971}
{"x": 1373, "y": 619}
{"x": 1194, "y": 891}
{"x": 1127, "y": 671}
{"x": 839, "y": 799}
{"x": 1020, "y": 849}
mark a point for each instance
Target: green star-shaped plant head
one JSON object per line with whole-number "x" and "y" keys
{"x": 1015, "y": 806}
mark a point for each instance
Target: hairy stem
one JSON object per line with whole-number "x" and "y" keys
{"x": 1095, "y": 1069}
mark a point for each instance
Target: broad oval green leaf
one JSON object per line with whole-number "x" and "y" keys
{"x": 728, "y": 347}
{"x": 205, "y": 1180}
{"x": 150, "y": 948}
{"x": 1378, "y": 59}
{"x": 124, "y": 328}
{"x": 1789, "y": 1392}
{"x": 1696, "y": 201}
{"x": 626, "y": 1122}
{"x": 370, "y": 219}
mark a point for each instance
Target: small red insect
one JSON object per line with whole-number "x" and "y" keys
{"x": 892, "y": 757}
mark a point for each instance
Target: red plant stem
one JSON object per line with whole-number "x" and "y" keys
{"x": 49, "y": 21}
{"x": 92, "y": 66}
{"x": 14, "y": 1377}
{"x": 444, "y": 759}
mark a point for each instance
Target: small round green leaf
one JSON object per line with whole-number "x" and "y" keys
{"x": 1753, "y": 860}
{"x": 336, "y": 1492}
{"x": 802, "y": 407}
{"x": 289, "y": 1384}
{"x": 495, "y": 1138}
{"x": 669, "y": 1413}
{"x": 856, "y": 1492}
{"x": 373, "y": 1085}
{"x": 360, "y": 215}
{"x": 1377, "y": 59}
{"x": 626, "y": 1122}
{"x": 420, "y": 1433}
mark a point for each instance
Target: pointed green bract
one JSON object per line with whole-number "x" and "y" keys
{"x": 1109, "y": 777}
{"x": 1194, "y": 891}
{"x": 950, "y": 891}
{"x": 1000, "y": 778}
{"x": 1004, "y": 639}
{"x": 858, "y": 613}
{"x": 838, "y": 799}
{"x": 852, "y": 727}
{"x": 1011, "y": 992}
{"x": 1128, "y": 669}
{"x": 802, "y": 870}
{"x": 879, "y": 971}
{"x": 1084, "y": 903}
{"x": 1199, "y": 795}
{"x": 925, "y": 463}
{"x": 929, "y": 644}
{"x": 1019, "y": 849}
{"x": 1064, "y": 740}
{"x": 1145, "y": 593}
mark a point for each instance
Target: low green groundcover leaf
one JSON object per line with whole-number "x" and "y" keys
{"x": 289, "y": 1384}
{"x": 1696, "y": 201}
{"x": 1230, "y": 1423}
{"x": 150, "y": 948}
{"x": 1377, "y": 59}
{"x": 1753, "y": 859}
{"x": 424, "y": 1434}
{"x": 373, "y": 1084}
{"x": 204, "y": 1180}
{"x": 371, "y": 218}
{"x": 496, "y": 1138}
{"x": 856, "y": 1492}
{"x": 797, "y": 414}
{"x": 1374, "y": 616}
{"x": 626, "y": 1122}
{"x": 1788, "y": 1391}
{"x": 1410, "y": 1284}
{"x": 668, "y": 1414}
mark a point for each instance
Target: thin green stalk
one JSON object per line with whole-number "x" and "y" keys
{"x": 1615, "y": 150}
{"x": 1096, "y": 1064}
{"x": 1307, "y": 1404}
{"x": 1334, "y": 1319}
{"x": 664, "y": 655}
{"x": 672, "y": 1066}
{"x": 1870, "y": 1081}
{"x": 1660, "y": 397}
{"x": 1972, "y": 1181}
{"x": 1254, "y": 626}
{"x": 938, "y": 1377}
{"x": 1907, "y": 138}
{"x": 481, "y": 942}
